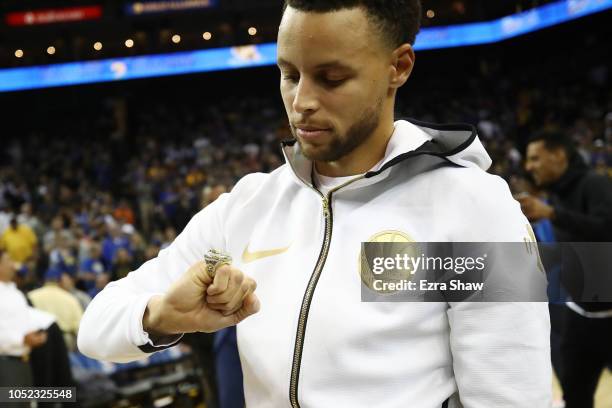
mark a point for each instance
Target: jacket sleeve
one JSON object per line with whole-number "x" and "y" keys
{"x": 111, "y": 328}
{"x": 501, "y": 350}
{"x": 11, "y": 334}
{"x": 596, "y": 222}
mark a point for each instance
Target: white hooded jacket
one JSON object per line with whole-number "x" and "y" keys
{"x": 314, "y": 343}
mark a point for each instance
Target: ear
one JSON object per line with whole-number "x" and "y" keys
{"x": 559, "y": 155}
{"x": 403, "y": 59}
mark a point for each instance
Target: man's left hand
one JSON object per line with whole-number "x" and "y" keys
{"x": 536, "y": 209}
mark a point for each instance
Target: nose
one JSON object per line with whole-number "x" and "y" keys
{"x": 305, "y": 99}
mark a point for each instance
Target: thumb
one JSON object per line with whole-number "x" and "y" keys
{"x": 199, "y": 276}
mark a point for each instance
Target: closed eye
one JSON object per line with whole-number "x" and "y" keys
{"x": 291, "y": 78}
{"x": 332, "y": 83}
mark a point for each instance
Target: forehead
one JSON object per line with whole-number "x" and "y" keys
{"x": 310, "y": 39}
{"x": 535, "y": 147}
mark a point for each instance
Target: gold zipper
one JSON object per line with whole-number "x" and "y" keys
{"x": 312, "y": 283}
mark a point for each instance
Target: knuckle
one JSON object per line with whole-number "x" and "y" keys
{"x": 197, "y": 267}
{"x": 215, "y": 299}
{"x": 245, "y": 287}
{"x": 223, "y": 270}
{"x": 238, "y": 276}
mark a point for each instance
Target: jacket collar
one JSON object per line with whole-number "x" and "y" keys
{"x": 576, "y": 169}
{"x": 457, "y": 143}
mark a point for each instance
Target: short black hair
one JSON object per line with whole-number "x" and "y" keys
{"x": 554, "y": 141}
{"x": 398, "y": 20}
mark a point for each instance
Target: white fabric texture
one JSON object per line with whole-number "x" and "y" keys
{"x": 17, "y": 319}
{"x": 355, "y": 354}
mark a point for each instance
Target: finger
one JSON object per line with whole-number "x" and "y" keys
{"x": 227, "y": 279}
{"x": 221, "y": 280}
{"x": 229, "y": 306}
{"x": 525, "y": 200}
{"x": 199, "y": 275}
{"x": 235, "y": 304}
{"x": 234, "y": 287}
{"x": 250, "y": 306}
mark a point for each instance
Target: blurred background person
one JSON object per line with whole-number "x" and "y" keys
{"x": 60, "y": 303}
{"x": 22, "y": 329}
{"x": 20, "y": 241}
{"x": 579, "y": 209}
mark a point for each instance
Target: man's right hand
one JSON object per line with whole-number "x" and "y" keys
{"x": 185, "y": 308}
{"x": 35, "y": 339}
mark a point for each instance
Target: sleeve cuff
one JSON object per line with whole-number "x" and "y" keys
{"x": 139, "y": 337}
{"x": 152, "y": 348}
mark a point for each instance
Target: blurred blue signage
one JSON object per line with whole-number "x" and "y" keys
{"x": 165, "y": 6}
{"x": 15, "y": 79}
{"x": 509, "y": 26}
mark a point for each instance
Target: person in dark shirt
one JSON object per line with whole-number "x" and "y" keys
{"x": 580, "y": 210}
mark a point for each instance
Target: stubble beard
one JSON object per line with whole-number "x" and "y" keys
{"x": 341, "y": 146}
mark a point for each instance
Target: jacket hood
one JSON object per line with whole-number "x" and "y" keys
{"x": 456, "y": 143}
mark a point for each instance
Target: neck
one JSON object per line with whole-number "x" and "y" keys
{"x": 362, "y": 158}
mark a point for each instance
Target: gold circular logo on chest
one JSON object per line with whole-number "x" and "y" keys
{"x": 393, "y": 241}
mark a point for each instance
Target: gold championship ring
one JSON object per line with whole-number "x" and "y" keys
{"x": 214, "y": 260}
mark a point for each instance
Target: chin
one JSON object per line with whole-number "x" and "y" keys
{"x": 314, "y": 154}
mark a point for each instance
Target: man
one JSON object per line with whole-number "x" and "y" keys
{"x": 21, "y": 329}
{"x": 58, "y": 233}
{"x": 580, "y": 209}
{"x": 27, "y": 217}
{"x": 93, "y": 270}
{"x": 351, "y": 176}
{"x": 19, "y": 241}
{"x": 52, "y": 298}
{"x": 68, "y": 283}
{"x": 581, "y": 200}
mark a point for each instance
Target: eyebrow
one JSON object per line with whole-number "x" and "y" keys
{"x": 326, "y": 65}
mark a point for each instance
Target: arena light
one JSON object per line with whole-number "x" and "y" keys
{"x": 207, "y": 36}
{"x": 19, "y": 53}
{"x": 97, "y": 46}
{"x": 180, "y": 63}
{"x": 252, "y": 31}
{"x": 430, "y": 14}
{"x": 129, "y": 43}
{"x": 51, "y": 50}
{"x": 176, "y": 38}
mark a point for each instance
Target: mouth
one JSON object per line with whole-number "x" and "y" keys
{"x": 311, "y": 133}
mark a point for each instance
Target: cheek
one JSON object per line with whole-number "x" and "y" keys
{"x": 287, "y": 95}
{"x": 346, "y": 105}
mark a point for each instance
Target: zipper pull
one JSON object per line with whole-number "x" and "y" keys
{"x": 326, "y": 206}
